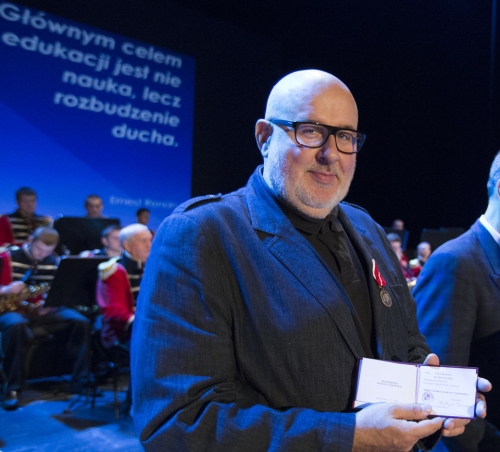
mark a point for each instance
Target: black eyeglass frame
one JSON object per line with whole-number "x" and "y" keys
{"x": 332, "y": 130}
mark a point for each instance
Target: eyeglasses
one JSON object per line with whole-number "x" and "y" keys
{"x": 314, "y": 135}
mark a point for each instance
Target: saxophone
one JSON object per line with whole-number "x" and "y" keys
{"x": 12, "y": 301}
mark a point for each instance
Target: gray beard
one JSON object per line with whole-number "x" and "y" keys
{"x": 278, "y": 181}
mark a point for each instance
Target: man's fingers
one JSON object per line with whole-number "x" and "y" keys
{"x": 384, "y": 427}
{"x": 454, "y": 427}
{"x": 480, "y": 405}
{"x": 431, "y": 360}
{"x": 483, "y": 385}
{"x": 423, "y": 428}
{"x": 417, "y": 412}
{"x": 411, "y": 411}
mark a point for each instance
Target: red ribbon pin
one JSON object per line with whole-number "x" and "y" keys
{"x": 379, "y": 279}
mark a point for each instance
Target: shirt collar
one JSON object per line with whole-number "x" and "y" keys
{"x": 137, "y": 264}
{"x": 24, "y": 215}
{"x": 494, "y": 233}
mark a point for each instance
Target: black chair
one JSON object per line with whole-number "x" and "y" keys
{"x": 3, "y": 376}
{"x": 33, "y": 369}
{"x": 110, "y": 363}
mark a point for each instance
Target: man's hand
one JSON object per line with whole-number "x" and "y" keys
{"x": 454, "y": 427}
{"x": 14, "y": 288}
{"x": 388, "y": 427}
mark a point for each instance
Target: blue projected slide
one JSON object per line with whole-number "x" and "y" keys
{"x": 87, "y": 111}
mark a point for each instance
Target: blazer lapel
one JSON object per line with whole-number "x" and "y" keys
{"x": 386, "y": 320}
{"x": 295, "y": 253}
{"x": 300, "y": 259}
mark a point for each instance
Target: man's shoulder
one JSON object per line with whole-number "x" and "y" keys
{"x": 51, "y": 259}
{"x": 459, "y": 246}
{"x": 211, "y": 204}
{"x": 14, "y": 215}
{"x": 349, "y": 207}
{"x": 357, "y": 214}
{"x": 17, "y": 254}
{"x": 456, "y": 254}
{"x": 17, "y": 216}
{"x": 198, "y": 202}
{"x": 4, "y": 254}
{"x": 45, "y": 220}
{"x": 110, "y": 268}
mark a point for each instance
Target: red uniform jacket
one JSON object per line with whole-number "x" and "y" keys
{"x": 5, "y": 271}
{"x": 6, "y": 235}
{"x": 115, "y": 299}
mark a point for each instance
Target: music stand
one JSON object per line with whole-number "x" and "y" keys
{"x": 78, "y": 234}
{"x": 75, "y": 282}
{"x": 74, "y": 286}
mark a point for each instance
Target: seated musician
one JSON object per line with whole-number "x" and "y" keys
{"x": 94, "y": 206}
{"x": 25, "y": 220}
{"x": 118, "y": 288}
{"x": 8, "y": 289}
{"x": 35, "y": 263}
{"x": 111, "y": 243}
{"x": 118, "y": 284}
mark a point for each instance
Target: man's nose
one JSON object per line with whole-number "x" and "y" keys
{"x": 328, "y": 153}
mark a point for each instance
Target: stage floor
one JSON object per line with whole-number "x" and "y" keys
{"x": 40, "y": 423}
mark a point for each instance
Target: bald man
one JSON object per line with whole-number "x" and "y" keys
{"x": 256, "y": 305}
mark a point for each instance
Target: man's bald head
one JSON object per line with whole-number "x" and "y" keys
{"x": 311, "y": 179}
{"x": 302, "y": 86}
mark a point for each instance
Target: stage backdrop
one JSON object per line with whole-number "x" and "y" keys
{"x": 92, "y": 112}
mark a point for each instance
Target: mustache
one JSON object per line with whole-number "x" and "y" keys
{"x": 331, "y": 169}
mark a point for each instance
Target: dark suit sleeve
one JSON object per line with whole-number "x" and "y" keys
{"x": 446, "y": 294}
{"x": 446, "y": 307}
{"x": 187, "y": 396}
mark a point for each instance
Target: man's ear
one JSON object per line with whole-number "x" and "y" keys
{"x": 263, "y": 132}
{"x": 126, "y": 246}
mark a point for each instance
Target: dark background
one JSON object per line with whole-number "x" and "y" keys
{"x": 422, "y": 74}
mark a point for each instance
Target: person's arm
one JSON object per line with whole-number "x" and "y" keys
{"x": 12, "y": 288}
{"x": 446, "y": 311}
{"x": 446, "y": 307}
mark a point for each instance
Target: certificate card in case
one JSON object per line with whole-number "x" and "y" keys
{"x": 451, "y": 391}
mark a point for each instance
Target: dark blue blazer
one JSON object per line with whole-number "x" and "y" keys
{"x": 244, "y": 341}
{"x": 458, "y": 306}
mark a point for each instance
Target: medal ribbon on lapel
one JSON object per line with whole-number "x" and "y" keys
{"x": 379, "y": 279}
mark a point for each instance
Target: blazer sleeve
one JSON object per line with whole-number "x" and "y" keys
{"x": 186, "y": 392}
{"x": 448, "y": 293}
{"x": 446, "y": 306}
